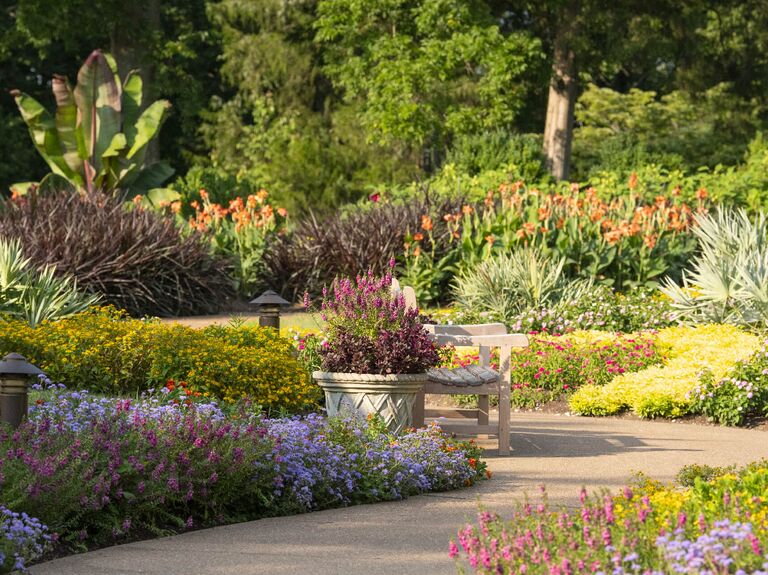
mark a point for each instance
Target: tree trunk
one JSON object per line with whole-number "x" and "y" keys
{"x": 558, "y": 130}
{"x": 131, "y": 45}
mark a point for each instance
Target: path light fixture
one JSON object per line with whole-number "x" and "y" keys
{"x": 269, "y": 304}
{"x": 15, "y": 372}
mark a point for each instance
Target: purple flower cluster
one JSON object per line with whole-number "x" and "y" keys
{"x": 735, "y": 398}
{"x": 723, "y": 549}
{"x": 97, "y": 470}
{"x": 371, "y": 330}
{"x": 22, "y": 539}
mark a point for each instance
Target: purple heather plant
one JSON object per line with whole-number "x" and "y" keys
{"x": 371, "y": 330}
{"x": 99, "y": 470}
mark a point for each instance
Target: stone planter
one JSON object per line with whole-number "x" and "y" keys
{"x": 389, "y": 396}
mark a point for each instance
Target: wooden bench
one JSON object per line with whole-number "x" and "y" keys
{"x": 481, "y": 380}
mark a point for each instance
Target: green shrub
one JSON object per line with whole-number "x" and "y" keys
{"x": 689, "y": 474}
{"x": 518, "y": 154}
{"x": 105, "y": 351}
{"x": 135, "y": 259}
{"x": 743, "y": 393}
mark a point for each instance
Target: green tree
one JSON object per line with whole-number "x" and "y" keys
{"x": 280, "y": 124}
{"x": 424, "y": 71}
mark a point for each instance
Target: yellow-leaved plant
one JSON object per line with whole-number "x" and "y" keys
{"x": 660, "y": 391}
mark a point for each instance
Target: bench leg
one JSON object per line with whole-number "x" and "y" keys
{"x": 483, "y": 408}
{"x": 418, "y": 409}
{"x": 505, "y": 410}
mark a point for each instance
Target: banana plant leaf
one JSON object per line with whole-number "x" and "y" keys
{"x": 98, "y": 97}
{"x": 42, "y": 129}
{"x": 70, "y": 138}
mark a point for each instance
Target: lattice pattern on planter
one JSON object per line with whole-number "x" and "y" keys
{"x": 395, "y": 409}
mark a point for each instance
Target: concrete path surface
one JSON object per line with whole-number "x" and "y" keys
{"x": 411, "y": 537}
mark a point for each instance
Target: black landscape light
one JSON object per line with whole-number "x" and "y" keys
{"x": 15, "y": 372}
{"x": 269, "y": 304}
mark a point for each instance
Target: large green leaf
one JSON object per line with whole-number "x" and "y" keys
{"x": 147, "y": 127}
{"x": 152, "y": 176}
{"x": 98, "y": 99}
{"x": 132, "y": 96}
{"x": 55, "y": 183}
{"x": 42, "y": 129}
{"x": 70, "y": 137}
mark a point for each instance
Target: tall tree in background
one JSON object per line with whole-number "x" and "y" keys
{"x": 281, "y": 123}
{"x": 426, "y": 70}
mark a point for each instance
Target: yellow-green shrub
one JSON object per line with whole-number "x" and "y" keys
{"x": 660, "y": 391}
{"x": 105, "y": 351}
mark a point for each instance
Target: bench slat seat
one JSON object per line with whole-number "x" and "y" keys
{"x": 467, "y": 376}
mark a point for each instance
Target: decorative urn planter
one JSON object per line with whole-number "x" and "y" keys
{"x": 391, "y": 396}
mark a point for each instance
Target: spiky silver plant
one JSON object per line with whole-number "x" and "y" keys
{"x": 728, "y": 280}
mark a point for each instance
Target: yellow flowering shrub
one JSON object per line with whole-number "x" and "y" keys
{"x": 661, "y": 390}
{"x": 105, "y": 351}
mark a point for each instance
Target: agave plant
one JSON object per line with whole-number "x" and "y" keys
{"x": 36, "y": 296}
{"x": 97, "y": 138}
{"x": 728, "y": 279}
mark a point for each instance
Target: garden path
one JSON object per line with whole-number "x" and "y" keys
{"x": 411, "y": 537}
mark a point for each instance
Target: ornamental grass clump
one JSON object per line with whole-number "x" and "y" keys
{"x": 370, "y": 329}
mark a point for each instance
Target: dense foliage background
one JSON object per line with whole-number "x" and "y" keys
{"x": 323, "y": 102}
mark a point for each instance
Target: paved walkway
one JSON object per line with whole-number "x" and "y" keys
{"x": 411, "y": 537}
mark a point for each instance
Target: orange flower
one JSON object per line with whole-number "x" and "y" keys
{"x": 466, "y": 209}
{"x": 544, "y": 213}
{"x": 136, "y": 199}
{"x": 176, "y": 207}
{"x": 282, "y": 212}
{"x": 701, "y": 194}
{"x": 650, "y": 241}
{"x": 613, "y": 236}
{"x": 530, "y": 228}
{"x": 426, "y": 223}
{"x": 203, "y": 194}
{"x": 632, "y": 184}
{"x": 490, "y": 239}
{"x": 262, "y": 195}
{"x": 416, "y": 252}
{"x": 252, "y": 201}
{"x": 676, "y": 191}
